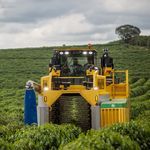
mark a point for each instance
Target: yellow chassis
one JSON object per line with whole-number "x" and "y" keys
{"x": 116, "y": 91}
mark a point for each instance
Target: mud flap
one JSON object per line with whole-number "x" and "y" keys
{"x": 43, "y": 111}
{"x": 95, "y": 117}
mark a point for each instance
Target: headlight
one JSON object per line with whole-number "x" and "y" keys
{"x": 84, "y": 53}
{"x": 66, "y": 53}
{"x": 95, "y": 88}
{"x": 46, "y": 88}
{"x": 90, "y": 53}
{"x": 96, "y": 68}
{"x": 61, "y": 53}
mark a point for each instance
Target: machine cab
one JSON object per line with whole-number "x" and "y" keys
{"x": 73, "y": 62}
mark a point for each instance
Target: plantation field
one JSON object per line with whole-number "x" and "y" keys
{"x": 19, "y": 65}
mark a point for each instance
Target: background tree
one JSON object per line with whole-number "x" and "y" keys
{"x": 127, "y": 32}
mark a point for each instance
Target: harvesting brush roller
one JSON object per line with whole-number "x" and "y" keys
{"x": 71, "y": 109}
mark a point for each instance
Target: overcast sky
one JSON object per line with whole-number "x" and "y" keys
{"x": 32, "y": 23}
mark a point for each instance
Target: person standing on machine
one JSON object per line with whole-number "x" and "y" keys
{"x": 106, "y": 60}
{"x": 88, "y": 64}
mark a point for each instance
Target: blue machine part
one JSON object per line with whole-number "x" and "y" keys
{"x": 30, "y": 110}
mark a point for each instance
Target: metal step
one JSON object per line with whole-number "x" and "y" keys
{"x": 71, "y": 109}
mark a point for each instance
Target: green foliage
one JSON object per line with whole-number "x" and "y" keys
{"x": 132, "y": 135}
{"x": 20, "y": 65}
{"x": 136, "y": 131}
{"x": 48, "y": 136}
{"x": 11, "y": 104}
{"x": 102, "y": 139}
{"x": 144, "y": 117}
{"x": 141, "y": 98}
{"x": 140, "y": 89}
{"x": 138, "y": 83}
{"x": 10, "y": 129}
{"x": 141, "y": 41}
{"x": 132, "y": 80}
{"x": 4, "y": 145}
{"x": 138, "y": 108}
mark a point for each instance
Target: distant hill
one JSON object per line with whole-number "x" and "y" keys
{"x": 19, "y": 65}
{"x": 141, "y": 41}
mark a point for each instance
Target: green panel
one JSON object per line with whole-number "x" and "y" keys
{"x": 114, "y": 104}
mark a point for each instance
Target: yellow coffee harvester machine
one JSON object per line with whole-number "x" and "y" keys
{"x": 78, "y": 90}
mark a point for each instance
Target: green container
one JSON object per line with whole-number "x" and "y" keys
{"x": 114, "y": 104}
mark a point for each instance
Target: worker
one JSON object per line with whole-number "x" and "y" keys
{"x": 64, "y": 67}
{"x": 65, "y": 70}
{"x": 106, "y": 60}
{"x": 76, "y": 68}
{"x": 54, "y": 62}
{"x": 88, "y": 64}
{"x": 55, "y": 59}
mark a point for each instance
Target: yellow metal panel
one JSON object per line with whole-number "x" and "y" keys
{"x": 81, "y": 77}
{"x": 51, "y": 96}
{"x": 120, "y": 90}
{"x": 109, "y": 116}
{"x": 107, "y": 71}
{"x": 55, "y": 73}
{"x": 91, "y": 96}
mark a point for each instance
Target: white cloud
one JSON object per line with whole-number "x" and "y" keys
{"x": 66, "y": 28}
{"x": 71, "y": 24}
{"x": 127, "y": 6}
{"x": 26, "y": 23}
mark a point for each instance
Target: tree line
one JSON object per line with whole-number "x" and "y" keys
{"x": 131, "y": 34}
